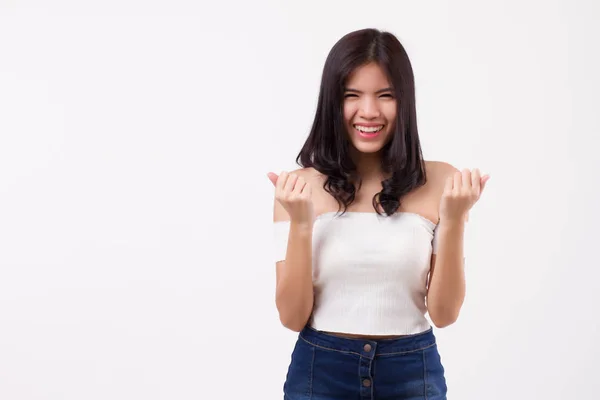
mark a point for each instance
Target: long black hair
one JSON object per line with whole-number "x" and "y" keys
{"x": 327, "y": 147}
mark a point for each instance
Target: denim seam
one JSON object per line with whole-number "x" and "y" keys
{"x": 312, "y": 373}
{"x": 408, "y": 351}
{"x": 359, "y": 354}
{"x": 328, "y": 348}
{"x": 371, "y": 378}
{"x": 425, "y": 374}
{"x": 358, "y": 373}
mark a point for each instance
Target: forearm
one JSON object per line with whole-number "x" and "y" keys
{"x": 447, "y": 284}
{"x": 294, "y": 295}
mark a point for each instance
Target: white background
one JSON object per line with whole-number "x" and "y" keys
{"x": 135, "y": 211}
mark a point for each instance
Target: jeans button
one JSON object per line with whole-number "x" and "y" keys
{"x": 367, "y": 382}
{"x": 367, "y": 347}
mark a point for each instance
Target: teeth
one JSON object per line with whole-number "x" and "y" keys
{"x": 366, "y": 129}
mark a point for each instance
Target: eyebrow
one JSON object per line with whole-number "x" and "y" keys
{"x": 388, "y": 89}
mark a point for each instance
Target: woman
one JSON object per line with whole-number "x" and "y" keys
{"x": 369, "y": 236}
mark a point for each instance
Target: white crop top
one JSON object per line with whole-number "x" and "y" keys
{"x": 369, "y": 271}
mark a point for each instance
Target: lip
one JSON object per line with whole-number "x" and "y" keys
{"x": 367, "y": 124}
{"x": 368, "y": 135}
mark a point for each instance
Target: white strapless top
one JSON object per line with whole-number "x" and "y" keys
{"x": 369, "y": 271}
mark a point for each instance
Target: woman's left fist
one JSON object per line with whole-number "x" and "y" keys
{"x": 461, "y": 192}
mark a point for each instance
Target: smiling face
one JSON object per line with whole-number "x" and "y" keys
{"x": 369, "y": 108}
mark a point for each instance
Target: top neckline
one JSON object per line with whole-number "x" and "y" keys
{"x": 329, "y": 214}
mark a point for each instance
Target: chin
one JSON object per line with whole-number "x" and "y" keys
{"x": 368, "y": 148}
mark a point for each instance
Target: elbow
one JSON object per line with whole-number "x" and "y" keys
{"x": 444, "y": 313}
{"x": 294, "y": 312}
{"x": 292, "y": 320}
{"x": 443, "y": 323}
{"x": 443, "y": 319}
{"x": 294, "y": 326}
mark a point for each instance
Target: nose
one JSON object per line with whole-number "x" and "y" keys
{"x": 369, "y": 108}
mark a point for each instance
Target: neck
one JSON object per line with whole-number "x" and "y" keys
{"x": 368, "y": 166}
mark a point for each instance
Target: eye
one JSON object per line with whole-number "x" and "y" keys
{"x": 350, "y": 95}
{"x": 388, "y": 95}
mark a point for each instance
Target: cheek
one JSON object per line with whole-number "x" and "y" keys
{"x": 391, "y": 109}
{"x": 390, "y": 113}
{"x": 349, "y": 111}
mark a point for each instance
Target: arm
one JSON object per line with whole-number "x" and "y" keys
{"x": 294, "y": 291}
{"x": 446, "y": 289}
{"x": 294, "y": 286}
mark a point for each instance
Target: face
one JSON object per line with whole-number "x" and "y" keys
{"x": 369, "y": 108}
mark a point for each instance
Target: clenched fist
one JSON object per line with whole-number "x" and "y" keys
{"x": 295, "y": 195}
{"x": 461, "y": 192}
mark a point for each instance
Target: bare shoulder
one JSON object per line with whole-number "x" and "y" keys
{"x": 311, "y": 176}
{"x": 438, "y": 171}
{"x": 308, "y": 173}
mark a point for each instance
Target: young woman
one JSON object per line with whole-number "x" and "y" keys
{"x": 369, "y": 236}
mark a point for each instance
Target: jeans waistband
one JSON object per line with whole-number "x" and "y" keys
{"x": 369, "y": 347}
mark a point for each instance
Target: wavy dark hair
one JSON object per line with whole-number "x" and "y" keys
{"x": 327, "y": 148}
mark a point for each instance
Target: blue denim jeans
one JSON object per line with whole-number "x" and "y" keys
{"x": 328, "y": 367}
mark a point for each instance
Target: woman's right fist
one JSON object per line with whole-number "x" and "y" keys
{"x": 295, "y": 195}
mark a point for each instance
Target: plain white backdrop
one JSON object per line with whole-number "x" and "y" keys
{"x": 135, "y": 211}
